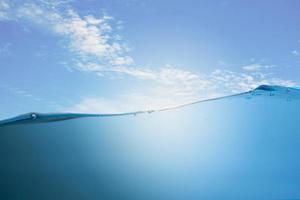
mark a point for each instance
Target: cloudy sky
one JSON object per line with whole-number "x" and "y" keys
{"x": 110, "y": 56}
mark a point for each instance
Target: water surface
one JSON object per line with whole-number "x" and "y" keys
{"x": 241, "y": 146}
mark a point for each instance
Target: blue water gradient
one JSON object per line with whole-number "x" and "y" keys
{"x": 242, "y": 146}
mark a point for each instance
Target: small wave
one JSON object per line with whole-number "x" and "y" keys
{"x": 288, "y": 93}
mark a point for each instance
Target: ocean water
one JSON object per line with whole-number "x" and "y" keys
{"x": 245, "y": 146}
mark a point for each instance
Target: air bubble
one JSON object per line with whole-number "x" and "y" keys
{"x": 33, "y": 116}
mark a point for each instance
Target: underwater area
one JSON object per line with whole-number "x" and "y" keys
{"x": 241, "y": 146}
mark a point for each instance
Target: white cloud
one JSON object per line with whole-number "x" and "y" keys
{"x": 126, "y": 60}
{"x": 4, "y": 8}
{"x": 296, "y": 53}
{"x": 255, "y": 67}
{"x": 90, "y": 38}
{"x": 234, "y": 82}
{"x": 135, "y": 72}
{"x": 170, "y": 86}
{"x": 20, "y": 92}
{"x": 55, "y": 3}
{"x": 99, "y": 105}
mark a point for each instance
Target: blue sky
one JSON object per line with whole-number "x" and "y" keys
{"x": 125, "y": 55}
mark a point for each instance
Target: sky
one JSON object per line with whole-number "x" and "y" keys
{"x": 110, "y": 56}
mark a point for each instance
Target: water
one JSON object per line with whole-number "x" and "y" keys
{"x": 241, "y": 146}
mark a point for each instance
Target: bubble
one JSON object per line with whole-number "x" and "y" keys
{"x": 33, "y": 116}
